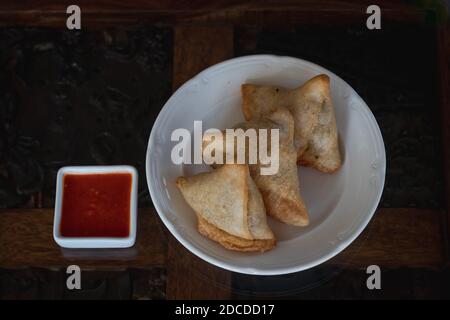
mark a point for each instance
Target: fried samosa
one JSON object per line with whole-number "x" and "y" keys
{"x": 315, "y": 135}
{"x": 280, "y": 191}
{"x": 229, "y": 208}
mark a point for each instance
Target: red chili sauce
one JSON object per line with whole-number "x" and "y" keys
{"x": 96, "y": 205}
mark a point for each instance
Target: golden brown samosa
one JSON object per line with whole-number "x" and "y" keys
{"x": 280, "y": 191}
{"x": 229, "y": 208}
{"x": 315, "y": 136}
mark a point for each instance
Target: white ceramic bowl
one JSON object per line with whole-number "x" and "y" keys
{"x": 340, "y": 205}
{"x": 95, "y": 242}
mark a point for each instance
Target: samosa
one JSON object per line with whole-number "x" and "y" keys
{"x": 280, "y": 191}
{"x": 315, "y": 136}
{"x": 229, "y": 208}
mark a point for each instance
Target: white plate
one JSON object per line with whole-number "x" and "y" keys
{"x": 340, "y": 205}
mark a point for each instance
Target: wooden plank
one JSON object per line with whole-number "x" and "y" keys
{"x": 443, "y": 65}
{"x": 196, "y": 48}
{"x": 398, "y": 237}
{"x": 26, "y": 240}
{"x": 188, "y": 277}
{"x": 394, "y": 238}
{"x": 286, "y": 12}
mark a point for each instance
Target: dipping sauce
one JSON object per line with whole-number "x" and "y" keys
{"x": 96, "y": 205}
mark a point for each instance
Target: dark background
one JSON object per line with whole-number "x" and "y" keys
{"x": 91, "y": 96}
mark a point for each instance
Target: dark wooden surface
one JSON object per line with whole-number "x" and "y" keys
{"x": 274, "y": 13}
{"x": 27, "y": 241}
{"x": 93, "y": 96}
{"x": 400, "y": 237}
{"x": 126, "y": 71}
{"x": 44, "y": 284}
{"x": 443, "y": 56}
{"x": 337, "y": 284}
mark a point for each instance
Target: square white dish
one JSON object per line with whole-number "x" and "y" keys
{"x": 95, "y": 242}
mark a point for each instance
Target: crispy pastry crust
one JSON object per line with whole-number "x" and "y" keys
{"x": 222, "y": 198}
{"x": 315, "y": 137}
{"x": 280, "y": 191}
{"x": 232, "y": 242}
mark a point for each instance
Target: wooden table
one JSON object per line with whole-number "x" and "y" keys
{"x": 414, "y": 237}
